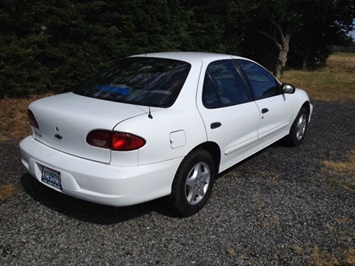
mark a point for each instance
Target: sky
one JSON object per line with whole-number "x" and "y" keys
{"x": 352, "y": 34}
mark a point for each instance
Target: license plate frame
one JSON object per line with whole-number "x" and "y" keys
{"x": 51, "y": 177}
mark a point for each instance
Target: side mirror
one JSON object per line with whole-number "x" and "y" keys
{"x": 288, "y": 88}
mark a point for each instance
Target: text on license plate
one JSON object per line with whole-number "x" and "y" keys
{"x": 51, "y": 177}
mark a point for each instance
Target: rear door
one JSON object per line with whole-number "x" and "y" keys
{"x": 231, "y": 117}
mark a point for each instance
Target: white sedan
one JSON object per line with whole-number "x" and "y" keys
{"x": 160, "y": 124}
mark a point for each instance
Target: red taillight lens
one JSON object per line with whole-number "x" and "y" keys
{"x": 118, "y": 141}
{"x": 126, "y": 142}
{"x": 32, "y": 119}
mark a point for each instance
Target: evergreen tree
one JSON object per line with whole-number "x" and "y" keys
{"x": 56, "y": 45}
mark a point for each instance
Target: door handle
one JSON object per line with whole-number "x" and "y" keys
{"x": 264, "y": 110}
{"x": 215, "y": 125}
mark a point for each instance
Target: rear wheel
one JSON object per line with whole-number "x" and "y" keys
{"x": 298, "y": 129}
{"x": 193, "y": 183}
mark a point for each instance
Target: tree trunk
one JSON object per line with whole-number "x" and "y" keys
{"x": 307, "y": 49}
{"x": 282, "y": 43}
{"x": 305, "y": 61}
{"x": 284, "y": 47}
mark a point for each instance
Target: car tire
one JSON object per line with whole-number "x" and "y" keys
{"x": 193, "y": 183}
{"x": 298, "y": 129}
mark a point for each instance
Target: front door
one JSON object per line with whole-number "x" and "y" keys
{"x": 273, "y": 105}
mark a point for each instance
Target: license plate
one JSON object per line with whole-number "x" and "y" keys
{"x": 51, "y": 177}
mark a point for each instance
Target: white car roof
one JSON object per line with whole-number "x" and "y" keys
{"x": 190, "y": 56}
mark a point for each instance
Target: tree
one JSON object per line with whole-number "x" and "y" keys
{"x": 50, "y": 46}
{"x": 208, "y": 24}
{"x": 314, "y": 25}
{"x": 276, "y": 20}
{"x": 158, "y": 25}
{"x": 56, "y": 45}
{"x": 324, "y": 23}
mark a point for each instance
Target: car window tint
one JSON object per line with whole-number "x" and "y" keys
{"x": 263, "y": 83}
{"x": 223, "y": 85}
{"x": 139, "y": 80}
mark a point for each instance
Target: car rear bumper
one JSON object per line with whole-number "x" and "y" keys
{"x": 98, "y": 182}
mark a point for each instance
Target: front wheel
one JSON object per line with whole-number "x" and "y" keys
{"x": 193, "y": 182}
{"x": 298, "y": 129}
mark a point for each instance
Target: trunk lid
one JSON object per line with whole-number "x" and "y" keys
{"x": 65, "y": 120}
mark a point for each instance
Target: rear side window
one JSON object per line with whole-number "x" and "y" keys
{"x": 139, "y": 80}
{"x": 263, "y": 83}
{"x": 223, "y": 85}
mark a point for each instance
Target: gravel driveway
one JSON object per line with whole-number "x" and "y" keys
{"x": 280, "y": 207}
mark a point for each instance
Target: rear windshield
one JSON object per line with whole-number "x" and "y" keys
{"x": 139, "y": 80}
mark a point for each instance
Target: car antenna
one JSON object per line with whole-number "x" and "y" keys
{"x": 148, "y": 91}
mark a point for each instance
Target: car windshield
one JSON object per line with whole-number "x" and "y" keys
{"x": 139, "y": 80}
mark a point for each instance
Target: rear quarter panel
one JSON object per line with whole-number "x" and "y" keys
{"x": 157, "y": 133}
{"x": 182, "y": 117}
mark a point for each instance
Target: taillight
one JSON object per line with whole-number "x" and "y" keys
{"x": 126, "y": 142}
{"x": 118, "y": 141}
{"x": 99, "y": 138}
{"x": 32, "y": 119}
